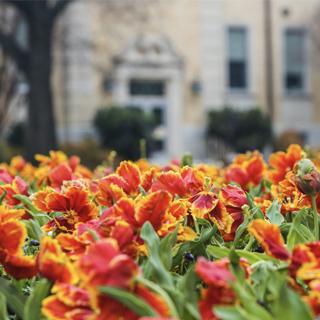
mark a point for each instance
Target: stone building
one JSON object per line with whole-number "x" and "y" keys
{"x": 182, "y": 58}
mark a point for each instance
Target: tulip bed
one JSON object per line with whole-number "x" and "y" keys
{"x": 141, "y": 241}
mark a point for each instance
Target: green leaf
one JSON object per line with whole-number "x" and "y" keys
{"x": 41, "y": 218}
{"x": 298, "y": 232}
{"x": 149, "y": 235}
{"x": 142, "y": 191}
{"x": 291, "y": 306}
{"x": 235, "y": 266}
{"x": 192, "y": 312}
{"x": 15, "y": 299}
{"x": 252, "y": 257}
{"x": 204, "y": 222}
{"x": 162, "y": 293}
{"x": 256, "y": 211}
{"x": 248, "y": 301}
{"x": 32, "y": 308}
{"x": 274, "y": 213}
{"x": 261, "y": 274}
{"x": 250, "y": 200}
{"x": 153, "y": 244}
{"x": 196, "y": 247}
{"x": 131, "y": 301}
{"x": 188, "y": 302}
{"x": 3, "y": 195}
{"x": 187, "y": 283}
{"x": 233, "y": 313}
{"x": 33, "y": 228}
{"x": 3, "y": 307}
{"x": 27, "y": 202}
{"x": 166, "y": 246}
{"x": 206, "y": 235}
{"x": 263, "y": 186}
{"x": 256, "y": 191}
{"x": 241, "y": 229}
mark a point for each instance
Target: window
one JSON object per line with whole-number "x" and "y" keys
{"x": 140, "y": 87}
{"x": 237, "y": 58}
{"x": 295, "y": 60}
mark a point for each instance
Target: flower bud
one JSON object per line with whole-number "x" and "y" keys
{"x": 307, "y": 177}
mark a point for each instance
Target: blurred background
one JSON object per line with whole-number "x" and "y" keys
{"x": 158, "y": 77}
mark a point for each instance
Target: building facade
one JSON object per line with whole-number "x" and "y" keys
{"x": 182, "y": 58}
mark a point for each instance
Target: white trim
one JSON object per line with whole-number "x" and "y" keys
{"x": 166, "y": 67}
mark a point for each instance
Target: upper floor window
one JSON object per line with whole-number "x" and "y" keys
{"x": 142, "y": 87}
{"x": 295, "y": 60}
{"x": 237, "y": 58}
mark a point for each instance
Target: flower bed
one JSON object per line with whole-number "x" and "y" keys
{"x": 146, "y": 242}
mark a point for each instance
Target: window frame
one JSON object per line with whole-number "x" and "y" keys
{"x": 139, "y": 81}
{"x": 247, "y": 86}
{"x": 305, "y": 89}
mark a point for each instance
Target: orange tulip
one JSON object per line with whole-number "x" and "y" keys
{"x": 53, "y": 263}
{"x": 12, "y": 238}
{"x": 68, "y": 302}
{"x": 269, "y": 237}
{"x": 233, "y": 198}
{"x": 246, "y": 170}
{"x": 283, "y": 162}
{"x": 131, "y": 174}
{"x": 104, "y": 264}
{"x": 217, "y": 276}
{"x": 74, "y": 204}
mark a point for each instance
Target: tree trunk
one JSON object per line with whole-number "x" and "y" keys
{"x": 41, "y": 125}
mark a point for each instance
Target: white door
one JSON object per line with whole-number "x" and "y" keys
{"x": 151, "y": 96}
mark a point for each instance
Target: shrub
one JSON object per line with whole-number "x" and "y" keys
{"x": 16, "y": 134}
{"x": 121, "y": 129}
{"x": 288, "y": 137}
{"x": 89, "y": 151}
{"x": 240, "y": 130}
{"x": 7, "y": 151}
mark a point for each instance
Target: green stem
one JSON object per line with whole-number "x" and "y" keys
{"x": 249, "y": 244}
{"x": 315, "y": 217}
{"x": 289, "y": 217}
{"x": 196, "y": 225}
{"x": 3, "y": 196}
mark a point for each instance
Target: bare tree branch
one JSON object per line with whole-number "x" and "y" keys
{"x": 60, "y": 6}
{"x": 12, "y": 49}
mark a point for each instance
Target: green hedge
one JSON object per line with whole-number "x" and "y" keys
{"x": 240, "y": 130}
{"x": 122, "y": 128}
